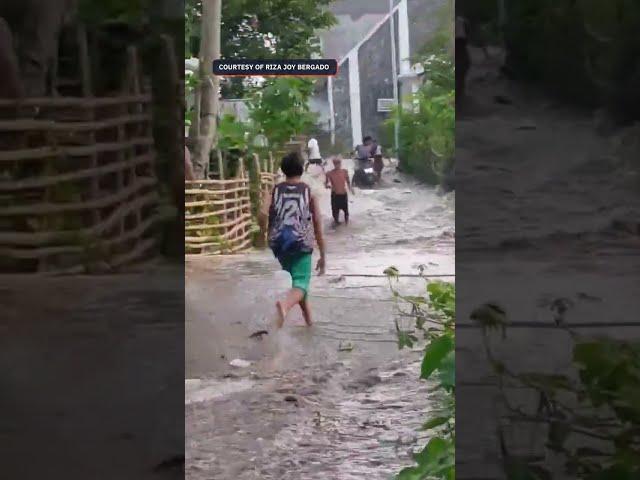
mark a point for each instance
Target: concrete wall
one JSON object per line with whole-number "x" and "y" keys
{"x": 424, "y": 20}
{"x": 374, "y": 62}
{"x": 355, "y": 19}
{"x": 342, "y": 109}
{"x": 319, "y": 104}
{"x": 337, "y": 41}
{"x": 376, "y": 80}
{"x": 237, "y": 108}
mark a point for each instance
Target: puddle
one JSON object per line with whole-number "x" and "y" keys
{"x": 196, "y": 390}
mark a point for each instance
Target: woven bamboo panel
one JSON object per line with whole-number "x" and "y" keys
{"x": 221, "y": 213}
{"x": 218, "y": 216}
{"x": 267, "y": 174}
{"x": 77, "y": 183}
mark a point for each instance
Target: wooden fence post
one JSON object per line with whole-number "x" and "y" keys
{"x": 220, "y": 164}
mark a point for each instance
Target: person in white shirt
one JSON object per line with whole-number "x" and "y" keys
{"x": 314, "y": 154}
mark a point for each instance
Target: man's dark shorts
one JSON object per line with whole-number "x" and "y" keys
{"x": 339, "y": 202}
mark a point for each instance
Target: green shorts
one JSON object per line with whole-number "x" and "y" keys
{"x": 299, "y": 266}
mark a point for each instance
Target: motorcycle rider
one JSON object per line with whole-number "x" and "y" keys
{"x": 363, "y": 153}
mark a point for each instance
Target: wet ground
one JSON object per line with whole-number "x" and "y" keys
{"x": 549, "y": 209}
{"x": 336, "y": 401}
{"x": 89, "y": 371}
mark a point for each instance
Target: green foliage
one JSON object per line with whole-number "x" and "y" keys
{"x": 442, "y": 39}
{"x": 126, "y": 11}
{"x": 595, "y": 433}
{"x": 191, "y": 83}
{"x": 586, "y": 51}
{"x": 265, "y": 29}
{"x": 192, "y": 26}
{"x": 477, "y": 11}
{"x": 291, "y": 24}
{"x": 442, "y": 296}
{"x": 232, "y": 134}
{"x": 427, "y": 132}
{"x": 436, "y": 460}
{"x": 439, "y": 348}
{"x": 281, "y": 109}
{"x": 434, "y": 315}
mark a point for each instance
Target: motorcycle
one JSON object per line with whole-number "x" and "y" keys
{"x": 364, "y": 176}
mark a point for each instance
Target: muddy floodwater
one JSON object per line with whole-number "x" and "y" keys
{"x": 90, "y": 370}
{"x": 547, "y": 208}
{"x": 335, "y": 401}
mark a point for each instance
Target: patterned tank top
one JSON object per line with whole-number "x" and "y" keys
{"x": 290, "y": 224}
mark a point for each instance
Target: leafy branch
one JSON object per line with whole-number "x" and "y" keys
{"x": 434, "y": 315}
{"x": 597, "y": 403}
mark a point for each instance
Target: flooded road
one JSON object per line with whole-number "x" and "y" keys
{"x": 91, "y": 366}
{"x": 337, "y": 400}
{"x": 550, "y": 210}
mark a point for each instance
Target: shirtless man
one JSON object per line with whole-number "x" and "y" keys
{"x": 338, "y": 181}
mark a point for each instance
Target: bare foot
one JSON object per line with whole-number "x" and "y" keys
{"x": 306, "y": 313}
{"x": 281, "y": 313}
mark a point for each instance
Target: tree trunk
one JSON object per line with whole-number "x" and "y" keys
{"x": 10, "y": 83}
{"x": 209, "y": 86}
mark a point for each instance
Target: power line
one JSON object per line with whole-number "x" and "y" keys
{"x": 553, "y": 326}
{"x": 409, "y": 275}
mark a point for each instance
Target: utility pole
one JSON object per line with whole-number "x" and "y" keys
{"x": 394, "y": 71}
{"x": 209, "y": 85}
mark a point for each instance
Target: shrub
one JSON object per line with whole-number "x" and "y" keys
{"x": 434, "y": 316}
{"x": 427, "y": 132}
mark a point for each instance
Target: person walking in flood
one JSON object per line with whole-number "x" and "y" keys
{"x": 294, "y": 223}
{"x": 339, "y": 183}
{"x": 363, "y": 151}
{"x": 378, "y": 163}
{"x": 313, "y": 150}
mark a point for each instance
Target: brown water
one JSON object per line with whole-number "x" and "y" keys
{"x": 89, "y": 370}
{"x": 304, "y": 409}
{"x": 550, "y": 210}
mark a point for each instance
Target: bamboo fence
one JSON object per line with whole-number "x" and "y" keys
{"x": 266, "y": 172}
{"x": 218, "y": 216}
{"x": 220, "y": 213}
{"x": 77, "y": 182}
